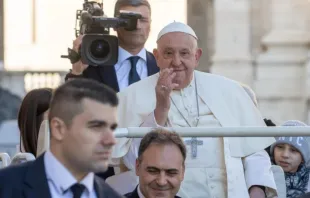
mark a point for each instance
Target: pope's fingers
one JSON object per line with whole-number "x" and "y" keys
{"x": 165, "y": 72}
{"x": 174, "y": 85}
{"x": 171, "y": 77}
{"x": 167, "y": 78}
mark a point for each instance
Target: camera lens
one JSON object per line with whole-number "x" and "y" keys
{"x": 99, "y": 48}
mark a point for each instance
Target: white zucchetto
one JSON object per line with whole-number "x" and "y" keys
{"x": 177, "y": 27}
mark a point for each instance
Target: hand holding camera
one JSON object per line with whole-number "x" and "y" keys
{"x": 97, "y": 47}
{"x": 78, "y": 67}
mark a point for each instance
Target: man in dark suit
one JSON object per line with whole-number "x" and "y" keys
{"x": 82, "y": 118}
{"x": 134, "y": 61}
{"x": 160, "y": 165}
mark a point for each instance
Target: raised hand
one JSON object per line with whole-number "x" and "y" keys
{"x": 163, "y": 89}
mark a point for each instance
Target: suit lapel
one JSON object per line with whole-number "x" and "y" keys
{"x": 135, "y": 193}
{"x": 213, "y": 97}
{"x": 98, "y": 187}
{"x": 36, "y": 185}
{"x": 151, "y": 64}
{"x": 108, "y": 76}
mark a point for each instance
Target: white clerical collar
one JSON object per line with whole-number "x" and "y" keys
{"x": 139, "y": 192}
{"x": 190, "y": 86}
{"x": 124, "y": 55}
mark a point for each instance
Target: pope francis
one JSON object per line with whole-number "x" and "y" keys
{"x": 179, "y": 96}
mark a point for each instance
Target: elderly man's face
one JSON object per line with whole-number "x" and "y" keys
{"x": 160, "y": 171}
{"x": 179, "y": 51}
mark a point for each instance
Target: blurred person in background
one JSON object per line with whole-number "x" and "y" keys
{"x": 32, "y": 112}
{"x": 9, "y": 105}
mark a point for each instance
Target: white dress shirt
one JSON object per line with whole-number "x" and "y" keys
{"x": 139, "y": 192}
{"x": 60, "y": 179}
{"x": 123, "y": 66}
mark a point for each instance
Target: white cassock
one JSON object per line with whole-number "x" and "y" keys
{"x": 215, "y": 167}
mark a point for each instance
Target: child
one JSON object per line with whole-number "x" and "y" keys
{"x": 292, "y": 154}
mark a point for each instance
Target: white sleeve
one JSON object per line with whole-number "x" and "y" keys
{"x": 130, "y": 158}
{"x": 258, "y": 171}
{"x": 150, "y": 121}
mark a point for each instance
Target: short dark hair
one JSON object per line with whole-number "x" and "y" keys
{"x": 30, "y": 116}
{"x": 67, "y": 98}
{"x": 162, "y": 137}
{"x": 134, "y": 3}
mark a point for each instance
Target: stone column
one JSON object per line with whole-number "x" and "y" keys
{"x": 281, "y": 71}
{"x": 200, "y": 16}
{"x": 1, "y": 35}
{"x": 232, "y": 42}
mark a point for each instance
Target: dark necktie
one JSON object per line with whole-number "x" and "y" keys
{"x": 77, "y": 190}
{"x": 133, "y": 74}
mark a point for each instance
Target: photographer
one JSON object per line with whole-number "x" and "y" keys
{"x": 134, "y": 61}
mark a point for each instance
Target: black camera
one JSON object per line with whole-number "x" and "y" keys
{"x": 98, "y": 46}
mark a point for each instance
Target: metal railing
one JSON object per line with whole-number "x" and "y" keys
{"x": 138, "y": 132}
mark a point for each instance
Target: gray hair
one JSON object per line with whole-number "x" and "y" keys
{"x": 134, "y": 3}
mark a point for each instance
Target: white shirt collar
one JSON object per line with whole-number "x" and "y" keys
{"x": 124, "y": 55}
{"x": 61, "y": 178}
{"x": 139, "y": 192}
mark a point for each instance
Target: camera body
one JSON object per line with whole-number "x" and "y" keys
{"x": 98, "y": 46}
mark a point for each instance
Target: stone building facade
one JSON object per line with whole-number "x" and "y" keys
{"x": 262, "y": 43}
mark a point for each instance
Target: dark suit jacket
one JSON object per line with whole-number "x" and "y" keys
{"x": 28, "y": 180}
{"x": 307, "y": 195}
{"x": 107, "y": 74}
{"x": 134, "y": 194}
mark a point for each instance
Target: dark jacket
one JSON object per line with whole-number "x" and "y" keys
{"x": 107, "y": 74}
{"x": 307, "y": 195}
{"x": 134, "y": 194}
{"x": 28, "y": 180}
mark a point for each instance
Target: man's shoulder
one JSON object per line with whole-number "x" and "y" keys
{"x": 216, "y": 77}
{"x": 14, "y": 173}
{"x": 129, "y": 195}
{"x": 133, "y": 194}
{"x": 150, "y": 53}
{"x": 108, "y": 191}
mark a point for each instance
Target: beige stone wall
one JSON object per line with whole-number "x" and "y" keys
{"x": 263, "y": 43}
{"x": 54, "y": 30}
